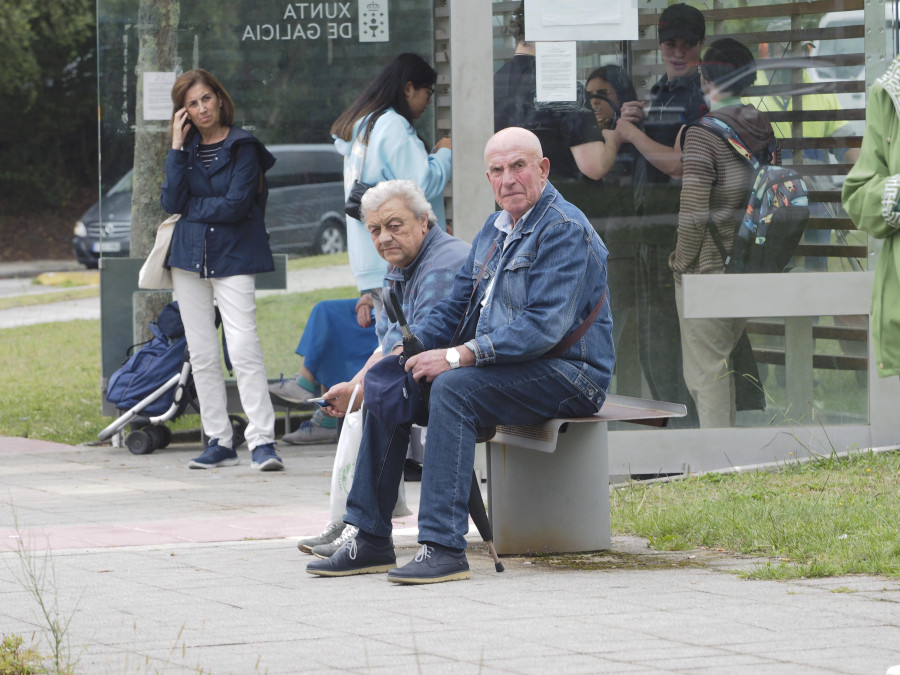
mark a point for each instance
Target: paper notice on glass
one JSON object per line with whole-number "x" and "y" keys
{"x": 581, "y": 20}
{"x": 555, "y": 65}
{"x": 158, "y": 95}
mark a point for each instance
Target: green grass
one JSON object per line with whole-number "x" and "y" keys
{"x": 829, "y": 517}
{"x": 51, "y": 372}
{"x": 310, "y": 261}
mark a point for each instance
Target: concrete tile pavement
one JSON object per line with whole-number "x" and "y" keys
{"x": 164, "y": 569}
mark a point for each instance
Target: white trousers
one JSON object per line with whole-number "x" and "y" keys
{"x": 235, "y": 297}
{"x": 706, "y": 346}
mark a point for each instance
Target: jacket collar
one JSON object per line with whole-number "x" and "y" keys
{"x": 235, "y": 135}
{"x": 538, "y": 211}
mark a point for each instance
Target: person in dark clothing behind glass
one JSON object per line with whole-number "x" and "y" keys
{"x": 608, "y": 88}
{"x": 676, "y": 100}
{"x": 569, "y": 135}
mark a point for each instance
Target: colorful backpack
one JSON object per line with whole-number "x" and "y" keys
{"x": 776, "y": 213}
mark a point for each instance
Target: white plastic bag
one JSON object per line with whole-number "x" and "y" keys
{"x": 345, "y": 465}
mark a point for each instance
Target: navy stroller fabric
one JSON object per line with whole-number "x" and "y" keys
{"x": 152, "y": 366}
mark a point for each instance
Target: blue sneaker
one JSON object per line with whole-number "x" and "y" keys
{"x": 215, "y": 455}
{"x": 356, "y": 556}
{"x": 264, "y": 458}
{"x": 432, "y": 565}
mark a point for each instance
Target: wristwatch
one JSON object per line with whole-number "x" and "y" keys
{"x": 453, "y": 358}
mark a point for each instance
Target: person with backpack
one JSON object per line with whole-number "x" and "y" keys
{"x": 215, "y": 178}
{"x": 716, "y": 181}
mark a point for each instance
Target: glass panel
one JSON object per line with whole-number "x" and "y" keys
{"x": 291, "y": 69}
{"x": 811, "y": 82}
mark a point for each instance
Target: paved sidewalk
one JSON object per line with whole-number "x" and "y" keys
{"x": 164, "y": 569}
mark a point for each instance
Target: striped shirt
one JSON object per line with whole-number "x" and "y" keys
{"x": 207, "y": 153}
{"x": 715, "y": 186}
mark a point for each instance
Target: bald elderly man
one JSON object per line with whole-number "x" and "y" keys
{"x": 535, "y": 343}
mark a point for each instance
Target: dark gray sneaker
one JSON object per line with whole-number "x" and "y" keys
{"x": 329, "y": 549}
{"x": 332, "y": 531}
{"x": 356, "y": 556}
{"x": 288, "y": 393}
{"x": 432, "y": 565}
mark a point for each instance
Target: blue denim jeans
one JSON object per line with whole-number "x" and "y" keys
{"x": 461, "y": 400}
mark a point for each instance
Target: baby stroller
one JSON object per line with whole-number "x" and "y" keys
{"x": 155, "y": 385}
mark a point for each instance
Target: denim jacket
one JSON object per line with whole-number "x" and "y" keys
{"x": 547, "y": 274}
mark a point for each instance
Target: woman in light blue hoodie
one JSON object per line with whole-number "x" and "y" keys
{"x": 375, "y": 135}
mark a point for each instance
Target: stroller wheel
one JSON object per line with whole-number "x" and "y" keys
{"x": 139, "y": 442}
{"x": 238, "y": 427}
{"x": 160, "y": 435}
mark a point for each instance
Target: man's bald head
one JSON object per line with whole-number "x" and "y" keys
{"x": 514, "y": 138}
{"x": 516, "y": 169}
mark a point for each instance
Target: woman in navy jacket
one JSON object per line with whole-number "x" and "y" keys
{"x": 215, "y": 178}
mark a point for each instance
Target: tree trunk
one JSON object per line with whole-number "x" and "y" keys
{"x": 157, "y": 52}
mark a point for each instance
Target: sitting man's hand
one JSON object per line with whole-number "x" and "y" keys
{"x": 432, "y": 363}
{"x": 338, "y": 399}
{"x": 364, "y": 307}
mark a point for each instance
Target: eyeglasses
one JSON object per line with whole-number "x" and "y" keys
{"x": 430, "y": 91}
{"x": 599, "y": 93}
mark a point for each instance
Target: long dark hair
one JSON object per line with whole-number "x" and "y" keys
{"x": 387, "y": 90}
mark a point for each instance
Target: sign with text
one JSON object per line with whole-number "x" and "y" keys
{"x": 158, "y": 95}
{"x": 552, "y": 20}
{"x": 323, "y": 21}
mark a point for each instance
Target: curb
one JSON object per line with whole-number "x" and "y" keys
{"x": 34, "y": 268}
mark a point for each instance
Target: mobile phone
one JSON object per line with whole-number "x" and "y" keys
{"x": 320, "y": 401}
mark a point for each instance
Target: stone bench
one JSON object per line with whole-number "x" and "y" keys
{"x": 548, "y": 485}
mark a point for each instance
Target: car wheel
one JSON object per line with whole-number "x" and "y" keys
{"x": 331, "y": 238}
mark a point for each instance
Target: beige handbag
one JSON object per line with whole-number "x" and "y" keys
{"x": 154, "y": 273}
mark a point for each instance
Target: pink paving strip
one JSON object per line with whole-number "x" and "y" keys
{"x": 184, "y": 531}
{"x": 9, "y": 446}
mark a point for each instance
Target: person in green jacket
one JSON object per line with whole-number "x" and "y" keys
{"x": 870, "y": 196}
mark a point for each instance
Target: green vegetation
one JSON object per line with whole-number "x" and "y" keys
{"x": 48, "y": 79}
{"x": 16, "y": 659}
{"x": 829, "y": 517}
{"x": 51, "y": 387}
{"x": 312, "y": 261}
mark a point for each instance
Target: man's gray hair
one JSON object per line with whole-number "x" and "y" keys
{"x": 407, "y": 190}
